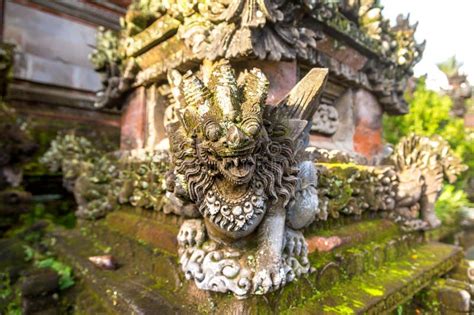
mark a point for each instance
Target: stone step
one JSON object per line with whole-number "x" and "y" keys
{"x": 393, "y": 284}
{"x": 136, "y": 286}
{"x": 345, "y": 247}
{"x": 149, "y": 278}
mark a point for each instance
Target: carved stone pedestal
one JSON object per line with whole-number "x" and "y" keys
{"x": 360, "y": 266}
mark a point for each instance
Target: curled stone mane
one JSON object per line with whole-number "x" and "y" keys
{"x": 277, "y": 168}
{"x": 191, "y": 166}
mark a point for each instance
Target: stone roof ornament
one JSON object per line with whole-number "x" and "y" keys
{"x": 159, "y": 36}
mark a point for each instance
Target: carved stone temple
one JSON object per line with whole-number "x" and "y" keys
{"x": 252, "y": 176}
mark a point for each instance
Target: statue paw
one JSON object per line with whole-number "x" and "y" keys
{"x": 295, "y": 244}
{"x": 268, "y": 279}
{"x": 192, "y": 233}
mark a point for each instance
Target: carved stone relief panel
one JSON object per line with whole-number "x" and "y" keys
{"x": 326, "y": 120}
{"x": 342, "y": 137}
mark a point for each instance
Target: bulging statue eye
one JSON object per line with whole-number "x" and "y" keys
{"x": 251, "y": 127}
{"x": 213, "y": 131}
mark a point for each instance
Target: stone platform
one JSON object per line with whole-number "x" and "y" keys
{"x": 366, "y": 266}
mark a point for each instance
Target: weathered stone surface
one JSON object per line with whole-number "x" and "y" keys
{"x": 157, "y": 283}
{"x": 133, "y": 122}
{"x": 463, "y": 272}
{"x": 48, "y": 48}
{"x": 382, "y": 290}
{"x": 454, "y": 300}
{"x": 158, "y": 233}
{"x": 342, "y": 139}
{"x": 344, "y": 54}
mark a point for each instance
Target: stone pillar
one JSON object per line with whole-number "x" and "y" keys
{"x": 155, "y": 112}
{"x": 368, "y": 125}
{"x": 342, "y": 139}
{"x": 132, "y": 133}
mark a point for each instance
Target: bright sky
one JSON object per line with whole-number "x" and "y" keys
{"x": 447, "y": 26}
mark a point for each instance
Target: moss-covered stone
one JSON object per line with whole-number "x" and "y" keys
{"x": 348, "y": 279}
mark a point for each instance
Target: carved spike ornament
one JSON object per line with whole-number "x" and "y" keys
{"x": 236, "y": 159}
{"x": 421, "y": 164}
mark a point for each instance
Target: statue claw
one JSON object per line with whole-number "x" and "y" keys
{"x": 192, "y": 233}
{"x": 295, "y": 243}
{"x": 268, "y": 279}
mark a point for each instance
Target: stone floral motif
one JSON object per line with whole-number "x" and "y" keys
{"x": 101, "y": 181}
{"x": 89, "y": 173}
{"x": 143, "y": 178}
{"x": 422, "y": 164}
{"x": 96, "y": 190}
{"x": 326, "y": 120}
{"x": 235, "y": 158}
{"x": 116, "y": 75}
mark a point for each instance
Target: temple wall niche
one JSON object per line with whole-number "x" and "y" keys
{"x": 342, "y": 139}
{"x": 359, "y": 127}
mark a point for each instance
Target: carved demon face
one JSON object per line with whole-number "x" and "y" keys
{"x": 232, "y": 150}
{"x": 225, "y": 118}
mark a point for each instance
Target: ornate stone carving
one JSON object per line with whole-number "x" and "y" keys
{"x": 116, "y": 75}
{"x": 220, "y": 268}
{"x": 229, "y": 29}
{"x": 6, "y": 66}
{"x": 68, "y": 153}
{"x": 159, "y": 36}
{"x": 389, "y": 81}
{"x": 353, "y": 189}
{"x": 143, "y": 176}
{"x": 236, "y": 159}
{"x": 326, "y": 120}
{"x": 101, "y": 181}
{"x": 421, "y": 164}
